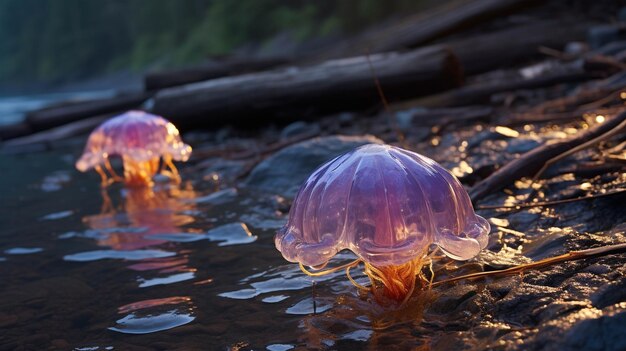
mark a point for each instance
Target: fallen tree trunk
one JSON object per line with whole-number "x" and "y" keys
{"x": 54, "y": 116}
{"x": 209, "y": 70}
{"x": 533, "y": 161}
{"x": 427, "y": 26}
{"x": 65, "y": 131}
{"x": 518, "y": 44}
{"x": 15, "y": 130}
{"x": 328, "y": 87}
{"x": 481, "y": 93}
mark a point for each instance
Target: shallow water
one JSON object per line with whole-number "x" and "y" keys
{"x": 171, "y": 268}
{"x": 194, "y": 267}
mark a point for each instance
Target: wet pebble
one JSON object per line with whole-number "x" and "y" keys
{"x": 519, "y": 146}
{"x": 299, "y": 127}
{"x": 522, "y": 220}
{"x": 218, "y": 197}
{"x": 222, "y": 170}
{"x": 598, "y": 36}
{"x": 609, "y": 294}
{"x": 604, "y": 333}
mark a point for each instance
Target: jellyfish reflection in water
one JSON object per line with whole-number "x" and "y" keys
{"x": 141, "y": 140}
{"x": 144, "y": 212}
{"x": 387, "y": 205}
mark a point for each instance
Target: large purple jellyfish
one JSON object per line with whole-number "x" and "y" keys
{"x": 141, "y": 140}
{"x": 387, "y": 205}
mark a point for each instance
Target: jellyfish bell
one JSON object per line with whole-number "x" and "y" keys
{"x": 142, "y": 140}
{"x": 387, "y": 205}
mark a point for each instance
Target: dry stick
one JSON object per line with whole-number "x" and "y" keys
{"x": 555, "y": 202}
{"x": 570, "y": 256}
{"x": 525, "y": 117}
{"x": 602, "y": 137}
{"x": 601, "y": 102}
{"x": 532, "y": 161}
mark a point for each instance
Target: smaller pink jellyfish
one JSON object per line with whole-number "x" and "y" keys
{"x": 387, "y": 205}
{"x": 141, "y": 140}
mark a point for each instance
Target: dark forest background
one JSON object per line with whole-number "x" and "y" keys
{"x": 65, "y": 40}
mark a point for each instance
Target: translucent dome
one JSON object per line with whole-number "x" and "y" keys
{"x": 136, "y": 135}
{"x": 385, "y": 204}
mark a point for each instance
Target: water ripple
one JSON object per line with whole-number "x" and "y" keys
{"x": 280, "y": 279}
{"x": 231, "y": 234}
{"x": 132, "y": 255}
{"x": 149, "y": 316}
{"x": 308, "y": 306}
{"x": 217, "y": 198}
{"x": 175, "y": 278}
{"x": 57, "y": 215}
{"x": 280, "y": 347}
{"x": 135, "y": 323}
{"x": 23, "y": 250}
{"x": 177, "y": 237}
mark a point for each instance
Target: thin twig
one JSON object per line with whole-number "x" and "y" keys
{"x": 550, "y": 203}
{"x": 602, "y": 137}
{"x": 383, "y": 98}
{"x": 570, "y": 256}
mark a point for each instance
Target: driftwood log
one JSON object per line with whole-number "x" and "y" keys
{"x": 427, "y": 26}
{"x": 531, "y": 162}
{"x": 209, "y": 70}
{"x": 482, "y": 92}
{"x": 16, "y": 130}
{"x": 58, "y": 133}
{"x": 328, "y": 87}
{"x": 489, "y": 51}
{"x": 349, "y": 83}
{"x": 54, "y": 116}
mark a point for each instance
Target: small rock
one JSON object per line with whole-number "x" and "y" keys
{"x": 222, "y": 169}
{"x": 518, "y": 146}
{"x": 482, "y": 136}
{"x": 286, "y": 170}
{"x": 609, "y": 294}
{"x": 603, "y": 333}
{"x": 297, "y": 128}
{"x": 345, "y": 118}
{"x": 601, "y": 35}
{"x": 223, "y": 134}
{"x": 522, "y": 220}
{"x": 217, "y": 198}
{"x": 405, "y": 118}
{"x": 576, "y": 48}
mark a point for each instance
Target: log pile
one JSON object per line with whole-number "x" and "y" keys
{"x": 431, "y": 60}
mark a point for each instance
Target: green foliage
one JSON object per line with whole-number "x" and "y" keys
{"x": 59, "y": 40}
